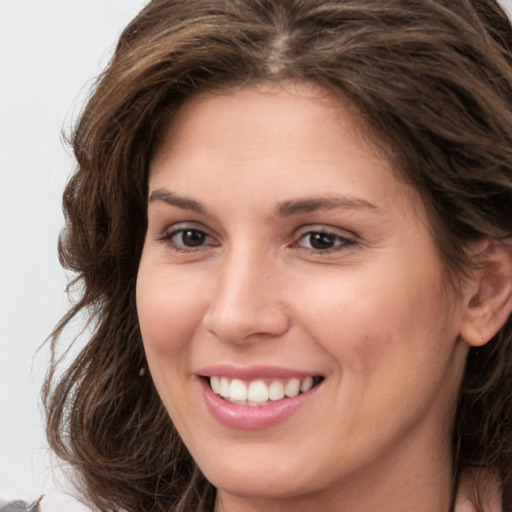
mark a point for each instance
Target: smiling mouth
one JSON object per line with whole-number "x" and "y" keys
{"x": 260, "y": 392}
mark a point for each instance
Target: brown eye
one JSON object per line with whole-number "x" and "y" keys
{"x": 188, "y": 239}
{"x": 321, "y": 241}
{"x": 324, "y": 241}
{"x": 191, "y": 237}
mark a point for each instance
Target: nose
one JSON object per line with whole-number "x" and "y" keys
{"x": 246, "y": 302}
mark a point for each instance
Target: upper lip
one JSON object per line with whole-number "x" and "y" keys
{"x": 254, "y": 372}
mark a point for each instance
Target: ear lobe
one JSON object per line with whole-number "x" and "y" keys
{"x": 489, "y": 307}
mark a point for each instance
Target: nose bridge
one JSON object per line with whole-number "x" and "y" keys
{"x": 246, "y": 300}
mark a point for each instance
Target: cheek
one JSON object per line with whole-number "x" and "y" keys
{"x": 393, "y": 320}
{"x": 169, "y": 313}
{"x": 168, "y": 309}
{"x": 393, "y": 344}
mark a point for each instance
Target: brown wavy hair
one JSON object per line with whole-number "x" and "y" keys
{"x": 432, "y": 80}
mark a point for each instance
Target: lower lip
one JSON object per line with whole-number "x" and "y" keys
{"x": 253, "y": 417}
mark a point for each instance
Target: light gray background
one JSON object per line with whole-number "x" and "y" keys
{"x": 49, "y": 53}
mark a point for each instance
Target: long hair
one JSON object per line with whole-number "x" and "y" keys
{"x": 432, "y": 80}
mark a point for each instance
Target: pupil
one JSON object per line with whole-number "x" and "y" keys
{"x": 321, "y": 241}
{"x": 193, "y": 238}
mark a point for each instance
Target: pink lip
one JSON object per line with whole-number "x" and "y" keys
{"x": 252, "y": 418}
{"x": 252, "y": 372}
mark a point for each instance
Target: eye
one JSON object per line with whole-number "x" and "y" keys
{"x": 323, "y": 240}
{"x": 188, "y": 239}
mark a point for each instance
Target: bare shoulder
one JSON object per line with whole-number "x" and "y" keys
{"x": 479, "y": 491}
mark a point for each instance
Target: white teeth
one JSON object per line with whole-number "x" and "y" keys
{"x": 292, "y": 388}
{"x": 224, "y": 387}
{"x": 258, "y": 391}
{"x": 215, "y": 384}
{"x": 306, "y": 384}
{"x": 237, "y": 390}
{"x": 276, "y": 390}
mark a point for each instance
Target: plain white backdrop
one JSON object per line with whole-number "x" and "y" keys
{"x": 50, "y": 52}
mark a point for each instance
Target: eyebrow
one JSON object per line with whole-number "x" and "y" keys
{"x": 172, "y": 199}
{"x": 307, "y": 205}
{"x": 283, "y": 209}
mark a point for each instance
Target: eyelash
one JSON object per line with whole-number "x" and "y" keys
{"x": 339, "y": 242}
{"x": 181, "y": 247}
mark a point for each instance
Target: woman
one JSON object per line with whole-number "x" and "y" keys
{"x": 292, "y": 223}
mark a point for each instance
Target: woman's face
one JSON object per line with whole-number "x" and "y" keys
{"x": 282, "y": 253}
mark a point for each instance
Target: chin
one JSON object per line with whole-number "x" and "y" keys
{"x": 248, "y": 486}
{"x": 268, "y": 480}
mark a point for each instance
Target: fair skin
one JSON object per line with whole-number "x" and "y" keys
{"x": 280, "y": 244}
{"x": 478, "y": 491}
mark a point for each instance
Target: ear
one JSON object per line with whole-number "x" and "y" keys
{"x": 488, "y": 302}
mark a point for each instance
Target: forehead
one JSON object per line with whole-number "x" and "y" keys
{"x": 294, "y": 137}
{"x": 295, "y": 108}
{"x": 291, "y": 102}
